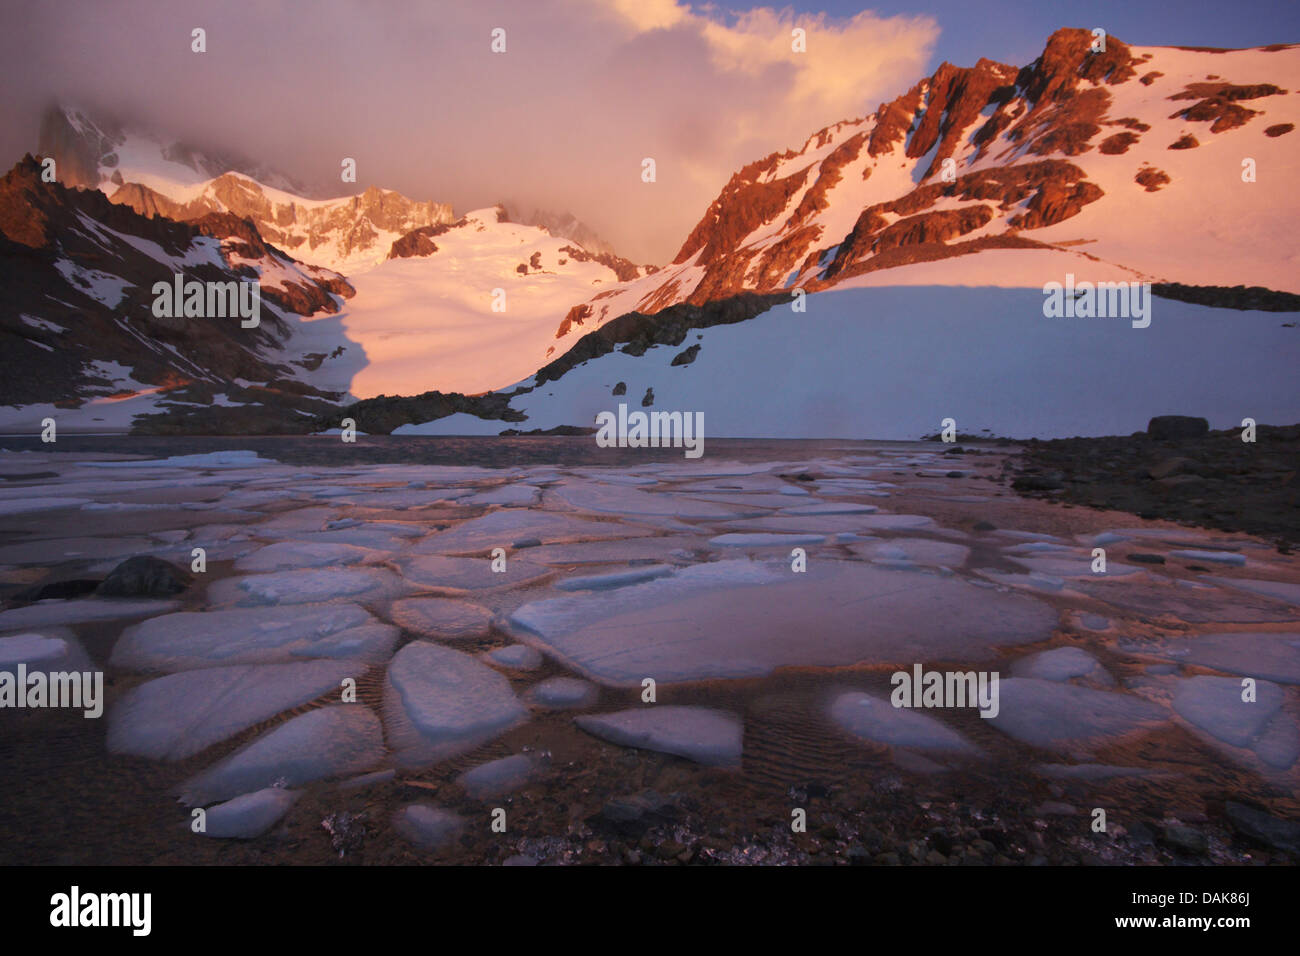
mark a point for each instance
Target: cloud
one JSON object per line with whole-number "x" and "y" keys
{"x": 563, "y": 119}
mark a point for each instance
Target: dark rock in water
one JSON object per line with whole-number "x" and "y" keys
{"x": 648, "y": 399}
{"x": 1147, "y": 558}
{"x": 620, "y": 388}
{"x": 58, "y": 589}
{"x": 1263, "y": 828}
{"x": 527, "y": 543}
{"x": 636, "y": 813}
{"x": 1036, "y": 483}
{"x": 1187, "y": 839}
{"x": 1174, "y": 427}
{"x": 144, "y": 576}
{"x": 985, "y": 526}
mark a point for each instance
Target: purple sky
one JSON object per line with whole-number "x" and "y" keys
{"x": 585, "y": 91}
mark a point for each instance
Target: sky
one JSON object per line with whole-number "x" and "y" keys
{"x": 585, "y": 91}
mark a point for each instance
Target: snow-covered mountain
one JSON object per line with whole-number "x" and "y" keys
{"x": 140, "y": 169}
{"x": 82, "y": 342}
{"x": 1162, "y": 165}
{"x": 469, "y": 306}
{"x": 1128, "y": 161}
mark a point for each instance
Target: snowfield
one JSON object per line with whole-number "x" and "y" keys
{"x": 892, "y": 362}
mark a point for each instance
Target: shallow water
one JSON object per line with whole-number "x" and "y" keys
{"x": 66, "y": 799}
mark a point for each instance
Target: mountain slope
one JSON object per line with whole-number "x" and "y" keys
{"x": 428, "y": 317}
{"x": 140, "y": 169}
{"x": 82, "y": 344}
{"x": 1087, "y": 153}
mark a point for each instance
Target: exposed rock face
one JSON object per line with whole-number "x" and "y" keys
{"x": 1173, "y": 427}
{"x": 77, "y": 319}
{"x": 966, "y": 160}
{"x": 770, "y": 227}
{"x": 1216, "y": 103}
{"x": 144, "y": 576}
{"x": 356, "y": 230}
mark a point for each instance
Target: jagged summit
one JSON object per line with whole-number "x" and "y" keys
{"x": 1130, "y": 157}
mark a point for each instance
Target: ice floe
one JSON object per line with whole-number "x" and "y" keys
{"x": 1059, "y": 716}
{"x": 1062, "y": 664}
{"x": 518, "y": 657}
{"x": 701, "y": 734}
{"x": 334, "y": 740}
{"x": 877, "y": 720}
{"x": 446, "y": 618}
{"x": 499, "y": 777}
{"x": 187, "y": 640}
{"x": 248, "y": 815}
{"x": 742, "y": 618}
{"x": 439, "y": 702}
{"x": 174, "y": 717}
{"x": 428, "y": 826}
{"x": 562, "y": 693}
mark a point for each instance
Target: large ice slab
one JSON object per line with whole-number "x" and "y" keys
{"x": 176, "y": 716}
{"x": 1271, "y": 656}
{"x": 182, "y": 641}
{"x": 339, "y": 739}
{"x": 1060, "y": 716}
{"x": 439, "y": 702}
{"x": 445, "y": 618}
{"x": 701, "y": 734}
{"x": 880, "y": 721}
{"x": 442, "y": 573}
{"x": 1215, "y": 705}
{"x": 501, "y": 529}
{"x": 295, "y": 555}
{"x": 738, "y": 618}
{"x": 80, "y": 611}
{"x": 313, "y": 586}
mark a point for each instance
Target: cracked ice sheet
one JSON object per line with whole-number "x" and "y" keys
{"x": 1190, "y": 604}
{"x": 741, "y": 618}
{"x": 1268, "y": 656}
{"x": 915, "y": 550}
{"x": 176, "y": 716}
{"x": 176, "y": 642}
{"x": 1214, "y": 707}
{"x": 315, "y": 586}
{"x": 612, "y": 552}
{"x": 624, "y": 500}
{"x": 501, "y": 529}
{"x": 293, "y": 555}
{"x": 460, "y": 575}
